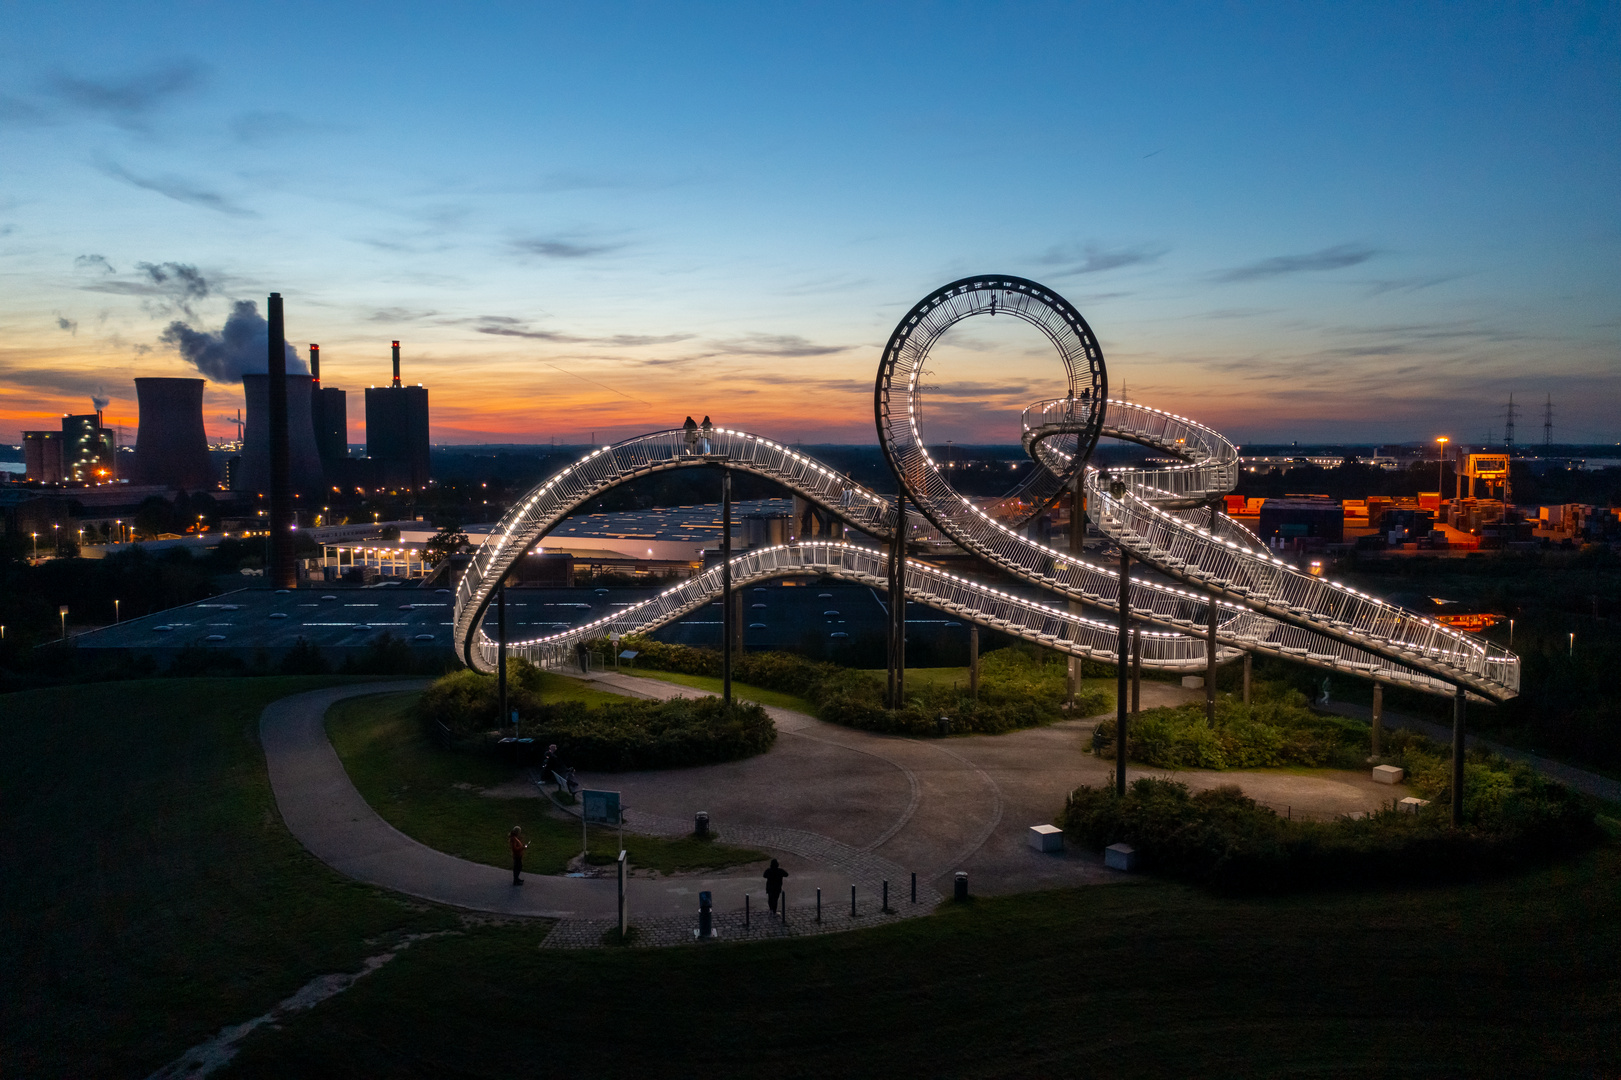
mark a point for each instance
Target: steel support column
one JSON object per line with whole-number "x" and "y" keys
{"x": 727, "y": 618}
{"x": 501, "y": 656}
{"x": 1122, "y": 650}
{"x": 1457, "y": 758}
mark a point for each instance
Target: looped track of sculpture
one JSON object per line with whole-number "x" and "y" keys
{"x": 1264, "y": 605}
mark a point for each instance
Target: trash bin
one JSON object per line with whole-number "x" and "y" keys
{"x": 706, "y": 924}
{"x": 960, "y": 886}
{"x": 700, "y": 823}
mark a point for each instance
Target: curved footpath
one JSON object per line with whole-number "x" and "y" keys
{"x": 325, "y": 812}
{"x": 838, "y": 806}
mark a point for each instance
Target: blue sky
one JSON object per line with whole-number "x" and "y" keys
{"x": 1362, "y": 222}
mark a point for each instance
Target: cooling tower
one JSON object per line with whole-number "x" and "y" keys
{"x": 303, "y": 462}
{"x": 170, "y": 446}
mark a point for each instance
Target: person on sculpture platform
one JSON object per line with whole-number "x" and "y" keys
{"x": 691, "y": 430}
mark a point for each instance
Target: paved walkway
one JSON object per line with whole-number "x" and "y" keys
{"x": 327, "y": 814}
{"x": 836, "y": 805}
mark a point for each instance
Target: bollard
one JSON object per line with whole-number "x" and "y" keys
{"x": 745, "y": 911}
{"x": 706, "y": 923}
{"x": 852, "y": 901}
{"x": 818, "y": 904}
{"x": 960, "y": 886}
{"x": 784, "y": 899}
{"x": 700, "y": 823}
{"x": 914, "y": 886}
{"x": 885, "y": 909}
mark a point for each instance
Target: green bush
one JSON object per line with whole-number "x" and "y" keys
{"x": 1277, "y": 729}
{"x": 1018, "y": 688}
{"x": 1224, "y": 839}
{"x": 625, "y": 735}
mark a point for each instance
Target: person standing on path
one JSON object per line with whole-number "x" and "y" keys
{"x": 773, "y": 884}
{"x": 519, "y": 846}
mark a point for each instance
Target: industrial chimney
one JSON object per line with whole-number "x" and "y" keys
{"x": 283, "y": 571}
{"x": 315, "y": 364}
{"x": 396, "y": 364}
{"x": 171, "y": 447}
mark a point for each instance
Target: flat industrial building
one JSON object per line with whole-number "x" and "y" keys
{"x": 261, "y": 625}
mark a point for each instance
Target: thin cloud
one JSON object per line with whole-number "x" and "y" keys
{"x": 787, "y": 345}
{"x": 94, "y": 262}
{"x": 170, "y": 285}
{"x": 263, "y": 126}
{"x": 1408, "y": 285}
{"x": 1332, "y": 258}
{"x": 1093, "y": 259}
{"x": 399, "y": 315}
{"x": 126, "y": 100}
{"x": 179, "y": 190}
{"x": 70, "y": 325}
{"x": 555, "y": 248}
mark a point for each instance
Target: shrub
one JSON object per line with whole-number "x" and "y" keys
{"x": 1224, "y": 839}
{"x": 1018, "y": 688}
{"x": 1278, "y": 729}
{"x": 624, "y": 735}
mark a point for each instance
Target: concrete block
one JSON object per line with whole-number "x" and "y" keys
{"x": 1411, "y": 805}
{"x": 1120, "y": 857}
{"x": 1046, "y": 838}
{"x": 1388, "y": 774}
{"x": 1193, "y": 682}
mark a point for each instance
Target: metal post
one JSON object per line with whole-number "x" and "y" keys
{"x": 1122, "y": 650}
{"x": 897, "y": 606}
{"x": 1210, "y": 663}
{"x": 1077, "y": 547}
{"x": 914, "y": 886}
{"x": 501, "y": 655}
{"x": 1378, "y": 718}
{"x": 973, "y": 662}
{"x": 726, "y": 584}
{"x": 852, "y": 901}
{"x": 746, "y": 911}
{"x": 885, "y": 908}
{"x": 1136, "y": 671}
{"x": 624, "y": 913}
{"x": 1457, "y": 759}
{"x": 818, "y": 903}
{"x": 1249, "y": 664}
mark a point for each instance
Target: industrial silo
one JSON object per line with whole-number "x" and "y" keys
{"x": 170, "y": 446}
{"x": 304, "y": 463}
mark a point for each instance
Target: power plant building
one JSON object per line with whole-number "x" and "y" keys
{"x": 397, "y": 431}
{"x": 304, "y": 462}
{"x": 82, "y": 452}
{"x": 329, "y": 412}
{"x": 171, "y": 448}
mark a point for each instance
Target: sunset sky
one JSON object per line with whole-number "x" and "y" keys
{"x": 1329, "y": 221}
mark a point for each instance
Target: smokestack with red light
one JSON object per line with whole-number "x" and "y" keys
{"x": 315, "y": 365}
{"x": 396, "y": 363}
{"x": 283, "y": 571}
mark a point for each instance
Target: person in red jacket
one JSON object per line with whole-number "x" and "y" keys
{"x": 519, "y": 846}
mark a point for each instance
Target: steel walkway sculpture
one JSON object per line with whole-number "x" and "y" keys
{"x": 1163, "y": 518}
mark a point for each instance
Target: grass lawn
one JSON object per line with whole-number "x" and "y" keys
{"x": 774, "y": 698}
{"x": 149, "y": 894}
{"x": 435, "y": 795}
{"x": 1517, "y": 977}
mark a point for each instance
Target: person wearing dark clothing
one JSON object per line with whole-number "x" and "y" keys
{"x": 773, "y": 884}
{"x": 519, "y": 846}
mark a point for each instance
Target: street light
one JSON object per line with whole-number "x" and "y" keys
{"x": 36, "y": 545}
{"x": 1511, "y": 633}
{"x": 1573, "y": 644}
{"x": 116, "y": 617}
{"x": 63, "y": 612}
{"x": 1441, "y": 464}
